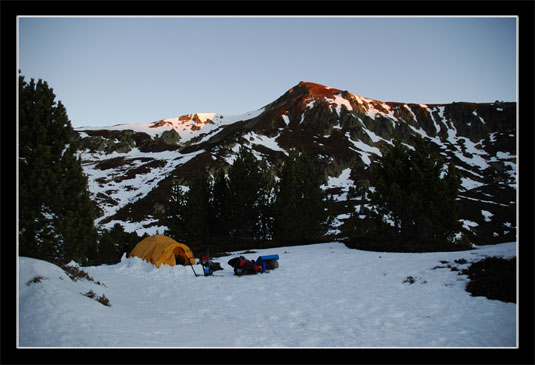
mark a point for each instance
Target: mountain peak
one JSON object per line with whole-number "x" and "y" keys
{"x": 314, "y": 89}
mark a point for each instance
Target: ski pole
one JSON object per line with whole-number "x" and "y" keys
{"x": 190, "y": 264}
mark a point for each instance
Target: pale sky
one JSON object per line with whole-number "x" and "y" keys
{"x": 115, "y": 70}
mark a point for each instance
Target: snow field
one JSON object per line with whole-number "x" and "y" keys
{"x": 322, "y": 295}
{"x": 129, "y": 190}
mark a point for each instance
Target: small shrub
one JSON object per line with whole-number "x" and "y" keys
{"x": 448, "y": 266}
{"x": 75, "y": 273}
{"x": 494, "y": 278}
{"x": 36, "y": 279}
{"x": 91, "y": 294}
{"x": 103, "y": 300}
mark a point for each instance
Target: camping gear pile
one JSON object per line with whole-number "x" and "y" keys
{"x": 160, "y": 249}
{"x": 209, "y": 266}
{"x": 242, "y": 266}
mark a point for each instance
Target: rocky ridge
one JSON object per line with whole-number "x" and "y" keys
{"x": 132, "y": 167}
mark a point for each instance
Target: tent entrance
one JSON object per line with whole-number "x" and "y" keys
{"x": 180, "y": 256}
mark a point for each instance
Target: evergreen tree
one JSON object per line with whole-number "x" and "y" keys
{"x": 175, "y": 219}
{"x": 197, "y": 211}
{"x": 108, "y": 252}
{"x": 220, "y": 205}
{"x": 266, "y": 203}
{"x": 299, "y": 206}
{"x": 188, "y": 217}
{"x": 114, "y": 243}
{"x": 288, "y": 213}
{"x": 55, "y": 212}
{"x": 247, "y": 196}
{"x": 313, "y": 203}
{"x": 237, "y": 206}
{"x": 414, "y": 201}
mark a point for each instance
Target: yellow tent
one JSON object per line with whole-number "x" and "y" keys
{"x": 161, "y": 249}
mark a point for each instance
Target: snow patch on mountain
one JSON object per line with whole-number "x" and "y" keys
{"x": 341, "y": 181}
{"x": 114, "y": 187}
{"x": 364, "y": 149}
{"x": 339, "y": 102}
{"x": 469, "y": 184}
{"x": 269, "y": 142}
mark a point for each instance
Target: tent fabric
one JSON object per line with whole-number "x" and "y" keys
{"x": 161, "y": 249}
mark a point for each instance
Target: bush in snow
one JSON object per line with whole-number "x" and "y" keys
{"x": 36, "y": 279}
{"x": 494, "y": 278}
{"x": 101, "y": 299}
{"x": 90, "y": 294}
{"x": 75, "y": 273}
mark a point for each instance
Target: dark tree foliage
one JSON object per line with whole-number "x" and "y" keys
{"x": 414, "y": 201}
{"x": 189, "y": 214}
{"x": 247, "y": 205}
{"x": 114, "y": 243}
{"x": 197, "y": 207}
{"x": 55, "y": 212}
{"x": 234, "y": 206}
{"x": 249, "y": 196}
{"x": 299, "y": 211}
{"x": 220, "y": 205}
{"x": 176, "y": 219}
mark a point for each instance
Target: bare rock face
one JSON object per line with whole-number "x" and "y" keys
{"x": 170, "y": 137}
{"x": 121, "y": 141}
{"x": 97, "y": 144}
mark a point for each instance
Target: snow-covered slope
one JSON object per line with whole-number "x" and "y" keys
{"x": 322, "y": 295}
{"x": 131, "y": 167}
{"x": 186, "y": 126}
{"x": 130, "y": 175}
